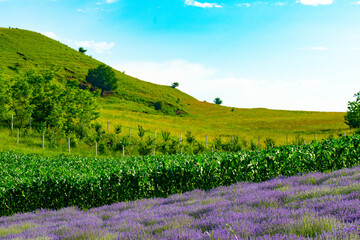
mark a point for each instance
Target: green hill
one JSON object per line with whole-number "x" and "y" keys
{"x": 132, "y": 104}
{"x": 21, "y": 50}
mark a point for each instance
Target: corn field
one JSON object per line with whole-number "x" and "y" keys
{"x": 29, "y": 182}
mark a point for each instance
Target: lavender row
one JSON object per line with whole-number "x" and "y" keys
{"x": 29, "y": 182}
{"x": 312, "y": 206}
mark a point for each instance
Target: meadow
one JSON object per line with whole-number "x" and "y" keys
{"x": 132, "y": 103}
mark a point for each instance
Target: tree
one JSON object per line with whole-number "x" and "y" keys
{"x": 352, "y": 117}
{"x": 82, "y": 50}
{"x": 174, "y": 84}
{"x": 5, "y": 98}
{"x": 102, "y": 77}
{"x": 21, "y": 95}
{"x": 49, "y": 104}
{"x": 217, "y": 101}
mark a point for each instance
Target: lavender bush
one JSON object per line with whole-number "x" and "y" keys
{"x": 312, "y": 206}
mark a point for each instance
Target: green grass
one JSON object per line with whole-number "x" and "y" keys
{"x": 132, "y": 103}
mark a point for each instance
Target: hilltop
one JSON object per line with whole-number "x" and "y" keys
{"x": 132, "y": 104}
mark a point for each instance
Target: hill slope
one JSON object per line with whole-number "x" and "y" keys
{"x": 133, "y": 103}
{"x": 22, "y": 50}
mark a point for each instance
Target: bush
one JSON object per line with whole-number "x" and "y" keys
{"x": 102, "y": 77}
{"x": 141, "y": 131}
{"x": 165, "y": 136}
{"x": 217, "y": 101}
{"x": 117, "y": 129}
{"x": 158, "y": 105}
{"x": 352, "y": 117}
{"x": 189, "y": 137}
{"x": 82, "y": 50}
{"x": 269, "y": 142}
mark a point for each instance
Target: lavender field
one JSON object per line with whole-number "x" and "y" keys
{"x": 312, "y": 206}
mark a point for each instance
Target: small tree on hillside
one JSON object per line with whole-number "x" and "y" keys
{"x": 82, "y": 50}
{"x": 352, "y": 117}
{"x": 102, "y": 77}
{"x": 175, "y": 85}
{"x": 217, "y": 101}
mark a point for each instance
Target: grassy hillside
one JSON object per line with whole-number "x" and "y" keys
{"x": 132, "y": 103}
{"x": 21, "y": 50}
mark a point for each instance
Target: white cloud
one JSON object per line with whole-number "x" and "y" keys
{"x": 315, "y": 2}
{"x": 356, "y": 3}
{"x": 202, "y": 5}
{"x": 280, "y": 4}
{"x": 106, "y": 2}
{"x": 206, "y": 83}
{"x": 99, "y": 47}
{"x": 243, "y": 4}
{"x": 315, "y": 48}
{"x": 354, "y": 48}
{"x": 50, "y": 34}
{"x": 254, "y": 3}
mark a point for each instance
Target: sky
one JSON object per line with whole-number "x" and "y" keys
{"x": 282, "y": 54}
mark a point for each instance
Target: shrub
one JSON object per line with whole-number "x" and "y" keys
{"x": 217, "y": 101}
{"x": 102, "y": 77}
{"x": 352, "y": 117}
{"x": 158, "y": 105}
{"x": 141, "y": 131}
{"x": 174, "y": 84}
{"x": 82, "y": 50}
{"x": 189, "y": 137}
{"x": 165, "y": 135}
{"x": 117, "y": 129}
{"x": 269, "y": 142}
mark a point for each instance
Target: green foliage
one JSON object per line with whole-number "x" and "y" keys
{"x": 269, "y": 142}
{"x": 31, "y": 182}
{"x": 21, "y": 93}
{"x": 298, "y": 140}
{"x": 352, "y": 117}
{"x": 117, "y": 129}
{"x": 5, "y": 98}
{"x": 253, "y": 145}
{"x": 141, "y": 131}
{"x": 233, "y": 145}
{"x": 174, "y": 84}
{"x": 217, "y": 101}
{"x": 49, "y": 104}
{"x": 189, "y": 137}
{"x": 158, "y": 105}
{"x": 82, "y": 50}
{"x": 218, "y": 143}
{"x": 165, "y": 135}
{"x": 146, "y": 147}
{"x": 102, "y": 77}
{"x": 99, "y": 130}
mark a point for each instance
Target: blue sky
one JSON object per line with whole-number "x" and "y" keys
{"x": 283, "y": 54}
